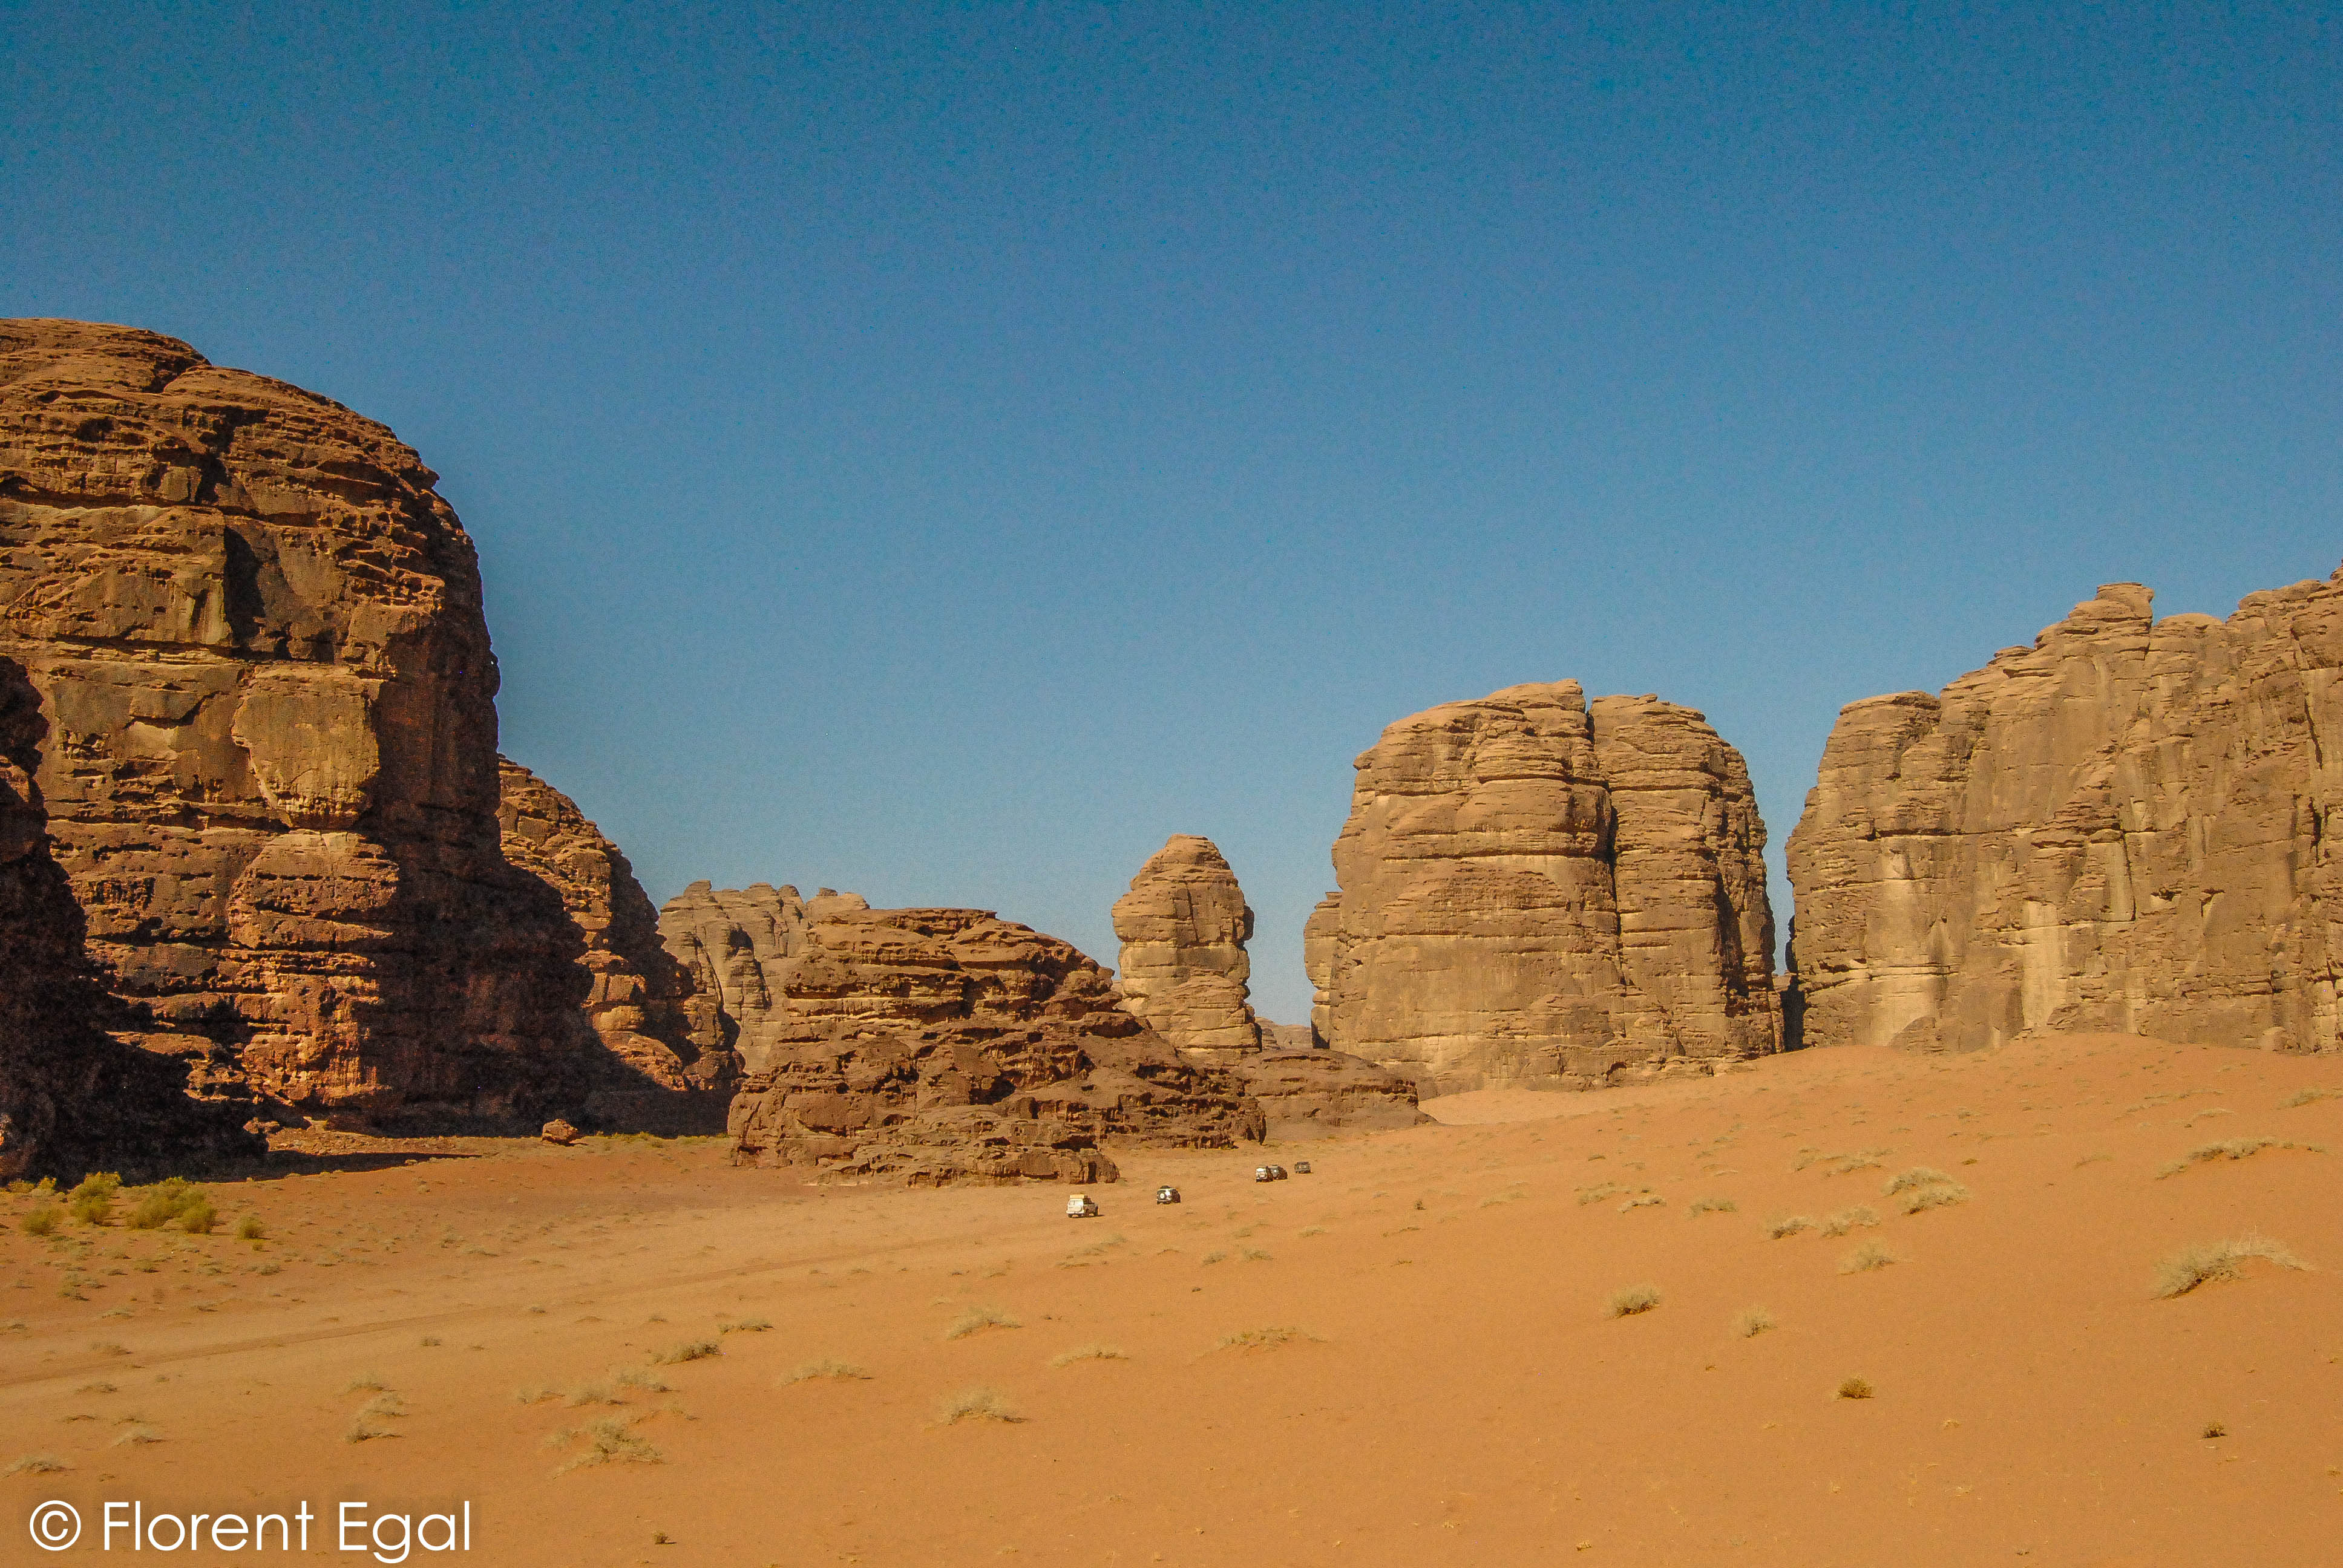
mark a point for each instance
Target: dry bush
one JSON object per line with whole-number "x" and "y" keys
{"x": 1594, "y": 1195}
{"x": 2308, "y": 1097}
{"x": 1855, "y": 1387}
{"x": 2213, "y": 1429}
{"x": 41, "y": 1219}
{"x": 136, "y": 1434}
{"x": 745, "y": 1326}
{"x": 1712, "y": 1206}
{"x": 1846, "y": 1220}
{"x": 690, "y": 1350}
{"x": 250, "y": 1229}
{"x": 1088, "y": 1353}
{"x": 1644, "y": 1199}
{"x": 1215, "y": 1256}
{"x": 365, "y": 1382}
{"x": 611, "y": 1441}
{"x": 1937, "y": 1195}
{"x": 361, "y": 1429}
{"x": 976, "y": 1320}
{"x": 2209, "y": 1262}
{"x": 1864, "y": 1258}
{"x": 976, "y": 1404}
{"x": 1634, "y": 1299}
{"x": 2230, "y": 1149}
{"x": 174, "y": 1202}
{"x": 1918, "y": 1176}
{"x": 1751, "y": 1321}
{"x": 1783, "y": 1226}
{"x": 1261, "y": 1339}
{"x": 92, "y": 1199}
{"x": 35, "y": 1465}
{"x": 2091, "y": 1160}
{"x": 827, "y": 1367}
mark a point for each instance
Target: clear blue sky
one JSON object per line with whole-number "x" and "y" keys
{"x": 941, "y": 452}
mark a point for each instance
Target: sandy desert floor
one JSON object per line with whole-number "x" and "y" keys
{"x": 1408, "y": 1356}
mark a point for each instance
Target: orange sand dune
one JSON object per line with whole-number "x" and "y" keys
{"x": 1457, "y": 1391}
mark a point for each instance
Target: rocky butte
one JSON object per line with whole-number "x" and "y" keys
{"x": 1535, "y": 891}
{"x": 255, "y": 631}
{"x": 2130, "y": 825}
{"x": 944, "y": 1045}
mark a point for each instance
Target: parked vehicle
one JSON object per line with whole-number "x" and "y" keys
{"x": 1079, "y": 1207}
{"x": 1301, "y": 1167}
{"x": 1260, "y": 1173}
{"x": 1277, "y": 1173}
{"x": 1167, "y": 1194}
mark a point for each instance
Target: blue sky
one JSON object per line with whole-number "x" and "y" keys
{"x": 939, "y": 451}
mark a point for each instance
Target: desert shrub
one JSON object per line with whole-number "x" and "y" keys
{"x": 367, "y": 1382}
{"x": 136, "y": 1434}
{"x": 1634, "y": 1299}
{"x": 1751, "y": 1321}
{"x": 2213, "y": 1429}
{"x": 1855, "y": 1387}
{"x": 1940, "y": 1195}
{"x": 1594, "y": 1195}
{"x": 2210, "y": 1261}
{"x": 1261, "y": 1339}
{"x": 976, "y": 1320}
{"x": 1711, "y": 1206}
{"x": 746, "y": 1326}
{"x": 1846, "y": 1220}
{"x": 612, "y": 1440}
{"x": 2308, "y": 1097}
{"x": 1088, "y": 1353}
{"x": 92, "y": 1199}
{"x": 1642, "y": 1201}
{"x": 173, "y": 1202}
{"x": 41, "y": 1219}
{"x": 1783, "y": 1226}
{"x": 828, "y": 1367}
{"x": 1918, "y": 1176}
{"x": 1864, "y": 1258}
{"x": 2230, "y": 1149}
{"x": 1215, "y": 1256}
{"x": 250, "y": 1229}
{"x": 688, "y": 1351}
{"x": 976, "y": 1404}
{"x": 35, "y": 1465}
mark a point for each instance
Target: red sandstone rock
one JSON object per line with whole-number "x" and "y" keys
{"x": 255, "y": 632}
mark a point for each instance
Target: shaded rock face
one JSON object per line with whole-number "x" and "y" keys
{"x": 257, "y": 636}
{"x": 655, "y": 1078}
{"x": 1184, "y": 927}
{"x": 1308, "y": 1093}
{"x": 950, "y": 1045}
{"x": 73, "y": 1098}
{"x": 735, "y": 946}
{"x": 1538, "y": 892}
{"x": 2129, "y": 826}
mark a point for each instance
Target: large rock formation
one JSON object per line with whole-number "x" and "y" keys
{"x": 73, "y": 1099}
{"x": 949, "y": 1045}
{"x": 1183, "y": 927}
{"x": 735, "y": 946}
{"x": 256, "y": 631}
{"x": 1307, "y": 1092}
{"x": 1537, "y": 893}
{"x": 656, "y": 1077}
{"x": 2129, "y": 826}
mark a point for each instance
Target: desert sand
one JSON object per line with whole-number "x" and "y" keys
{"x": 1454, "y": 1388}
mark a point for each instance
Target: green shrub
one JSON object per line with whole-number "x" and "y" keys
{"x": 92, "y": 1200}
{"x": 41, "y": 1219}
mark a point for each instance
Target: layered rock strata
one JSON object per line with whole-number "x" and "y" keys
{"x": 1534, "y": 891}
{"x": 1183, "y": 927}
{"x": 655, "y": 1078}
{"x": 71, "y": 1099}
{"x": 2129, "y": 826}
{"x": 1311, "y": 1093}
{"x": 735, "y": 946}
{"x": 271, "y": 776}
{"x": 950, "y": 1045}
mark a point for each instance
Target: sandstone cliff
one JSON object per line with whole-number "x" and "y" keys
{"x": 735, "y": 946}
{"x": 1306, "y": 1092}
{"x": 257, "y": 636}
{"x": 1183, "y": 927}
{"x": 655, "y": 1078}
{"x": 949, "y": 1045}
{"x": 2129, "y": 826}
{"x": 73, "y": 1099}
{"x": 1533, "y": 891}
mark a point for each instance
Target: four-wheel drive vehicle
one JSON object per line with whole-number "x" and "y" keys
{"x": 1167, "y": 1194}
{"x": 1079, "y": 1207}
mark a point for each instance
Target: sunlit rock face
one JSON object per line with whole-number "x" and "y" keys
{"x": 2127, "y": 826}
{"x": 1183, "y": 926}
{"x": 1538, "y": 891}
{"x": 256, "y": 633}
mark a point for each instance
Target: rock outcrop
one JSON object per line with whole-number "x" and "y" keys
{"x": 271, "y": 774}
{"x": 2130, "y": 826}
{"x": 71, "y": 1099}
{"x": 1184, "y": 927}
{"x": 950, "y": 1045}
{"x": 1538, "y": 892}
{"x": 1309, "y": 1094}
{"x": 656, "y": 1078}
{"x": 735, "y": 946}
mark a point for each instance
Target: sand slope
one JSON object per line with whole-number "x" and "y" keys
{"x": 1457, "y": 1392}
